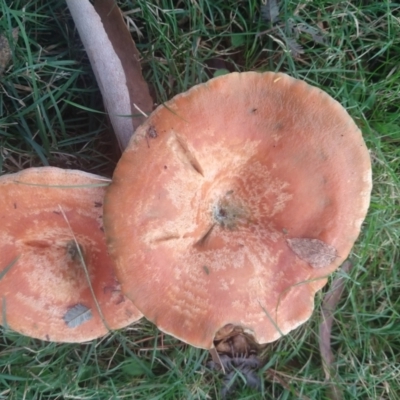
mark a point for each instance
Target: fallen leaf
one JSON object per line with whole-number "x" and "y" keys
{"x": 295, "y": 29}
{"x": 77, "y": 315}
{"x": 315, "y": 34}
{"x": 328, "y": 307}
{"x": 290, "y": 34}
{"x": 313, "y": 251}
{"x": 270, "y": 11}
{"x": 5, "y": 49}
{"x": 115, "y": 62}
{"x": 294, "y": 47}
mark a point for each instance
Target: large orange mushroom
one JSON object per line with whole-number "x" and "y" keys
{"x": 57, "y": 281}
{"x": 233, "y": 203}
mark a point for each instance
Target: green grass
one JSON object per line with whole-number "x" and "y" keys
{"x": 51, "y": 114}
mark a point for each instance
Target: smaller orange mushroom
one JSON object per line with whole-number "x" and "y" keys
{"x": 57, "y": 281}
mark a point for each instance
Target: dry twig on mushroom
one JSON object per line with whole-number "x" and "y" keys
{"x": 57, "y": 281}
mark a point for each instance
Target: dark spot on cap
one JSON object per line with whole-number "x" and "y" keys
{"x": 151, "y": 132}
{"x": 222, "y": 212}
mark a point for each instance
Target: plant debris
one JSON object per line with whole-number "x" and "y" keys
{"x": 116, "y": 64}
{"x": 270, "y": 11}
{"x": 5, "y": 49}
{"x": 77, "y": 315}
{"x": 313, "y": 251}
{"x": 287, "y": 33}
{"x": 235, "y": 354}
{"x": 246, "y": 366}
{"x": 329, "y": 305}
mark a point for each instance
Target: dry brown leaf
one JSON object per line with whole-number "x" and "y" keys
{"x": 115, "y": 62}
{"x": 5, "y": 49}
{"x": 329, "y": 305}
{"x": 313, "y": 251}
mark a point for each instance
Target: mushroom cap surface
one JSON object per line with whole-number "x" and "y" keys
{"x": 44, "y": 290}
{"x": 233, "y": 203}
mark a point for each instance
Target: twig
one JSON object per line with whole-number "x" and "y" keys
{"x": 86, "y": 271}
{"x": 329, "y": 305}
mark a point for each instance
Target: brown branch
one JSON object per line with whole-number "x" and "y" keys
{"x": 328, "y": 307}
{"x": 115, "y": 63}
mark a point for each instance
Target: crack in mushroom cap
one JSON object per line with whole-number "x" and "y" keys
{"x": 198, "y": 215}
{"x": 44, "y": 292}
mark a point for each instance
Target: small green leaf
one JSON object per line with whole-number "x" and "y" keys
{"x": 238, "y": 40}
{"x": 220, "y": 72}
{"x": 132, "y": 368}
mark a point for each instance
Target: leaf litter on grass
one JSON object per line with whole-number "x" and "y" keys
{"x": 6, "y": 49}
{"x": 286, "y": 33}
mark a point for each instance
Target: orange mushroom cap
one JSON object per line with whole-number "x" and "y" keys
{"x": 44, "y": 290}
{"x": 233, "y": 203}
